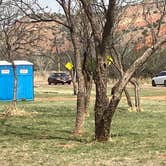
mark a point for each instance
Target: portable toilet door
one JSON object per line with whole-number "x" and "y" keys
{"x": 6, "y": 81}
{"x": 25, "y": 85}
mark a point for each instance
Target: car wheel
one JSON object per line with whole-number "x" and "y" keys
{"x": 153, "y": 83}
{"x": 165, "y": 83}
{"x": 49, "y": 83}
{"x": 69, "y": 83}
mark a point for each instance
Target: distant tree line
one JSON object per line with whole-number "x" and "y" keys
{"x": 152, "y": 67}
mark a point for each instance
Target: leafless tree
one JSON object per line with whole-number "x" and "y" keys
{"x": 72, "y": 17}
{"x": 122, "y": 44}
{"x": 129, "y": 37}
{"x": 105, "y": 107}
{"x": 71, "y": 11}
{"x": 16, "y": 39}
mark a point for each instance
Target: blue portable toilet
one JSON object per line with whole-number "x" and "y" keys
{"x": 25, "y": 85}
{"x": 6, "y": 81}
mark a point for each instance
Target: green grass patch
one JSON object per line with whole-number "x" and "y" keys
{"x": 45, "y": 137}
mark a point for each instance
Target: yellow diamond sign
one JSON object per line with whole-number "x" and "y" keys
{"x": 109, "y": 60}
{"x": 69, "y": 65}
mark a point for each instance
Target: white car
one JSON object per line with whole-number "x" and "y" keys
{"x": 159, "y": 79}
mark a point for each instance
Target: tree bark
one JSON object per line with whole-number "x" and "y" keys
{"x": 74, "y": 83}
{"x": 136, "y": 95}
{"x": 103, "y": 127}
{"x": 137, "y": 99}
{"x": 87, "y": 78}
{"x": 102, "y": 101}
{"x": 80, "y": 114}
{"x": 74, "y": 87}
{"x": 15, "y": 86}
{"x": 88, "y": 88}
{"x": 129, "y": 102}
{"x": 59, "y": 64}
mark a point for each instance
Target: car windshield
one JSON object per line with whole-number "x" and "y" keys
{"x": 59, "y": 75}
{"x": 163, "y": 73}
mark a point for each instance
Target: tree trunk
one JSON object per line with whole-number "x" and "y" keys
{"x": 59, "y": 63}
{"x": 103, "y": 113}
{"x": 87, "y": 77}
{"x": 104, "y": 110}
{"x": 102, "y": 101}
{"x": 80, "y": 115}
{"x": 103, "y": 127}
{"x": 88, "y": 88}
{"x": 74, "y": 87}
{"x": 137, "y": 95}
{"x": 74, "y": 83}
{"x": 137, "y": 99}
{"x": 129, "y": 102}
{"x": 15, "y": 85}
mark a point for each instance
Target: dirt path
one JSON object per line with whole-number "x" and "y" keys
{"x": 93, "y": 98}
{"x": 154, "y": 97}
{"x": 55, "y": 99}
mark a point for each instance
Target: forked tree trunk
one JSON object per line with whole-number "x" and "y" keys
{"x": 103, "y": 127}
{"x": 128, "y": 98}
{"x": 104, "y": 111}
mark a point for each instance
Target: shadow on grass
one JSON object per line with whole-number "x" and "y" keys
{"x": 124, "y": 134}
{"x": 26, "y": 133}
{"x": 120, "y": 109}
